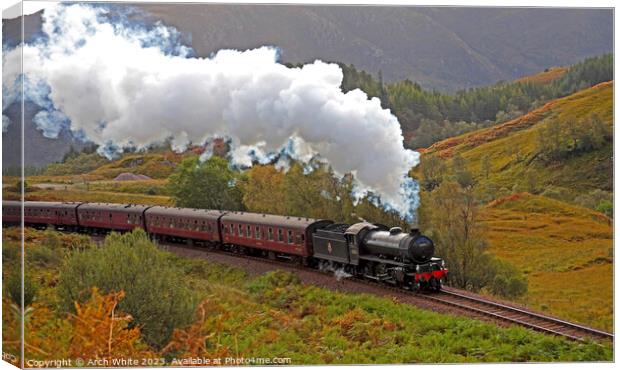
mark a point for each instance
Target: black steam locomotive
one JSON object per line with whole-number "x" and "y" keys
{"x": 375, "y": 252}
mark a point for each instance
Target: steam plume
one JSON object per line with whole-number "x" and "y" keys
{"x": 125, "y": 86}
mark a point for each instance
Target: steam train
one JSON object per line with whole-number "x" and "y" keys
{"x": 365, "y": 250}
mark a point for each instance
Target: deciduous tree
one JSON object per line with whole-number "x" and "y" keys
{"x": 209, "y": 185}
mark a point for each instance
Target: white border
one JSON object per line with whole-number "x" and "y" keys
{"x": 33, "y": 6}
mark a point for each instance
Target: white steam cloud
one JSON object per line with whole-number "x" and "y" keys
{"x": 125, "y": 86}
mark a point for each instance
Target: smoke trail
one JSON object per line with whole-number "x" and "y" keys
{"x": 125, "y": 86}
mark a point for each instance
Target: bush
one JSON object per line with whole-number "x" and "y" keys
{"x": 10, "y": 254}
{"x": 594, "y": 198}
{"x": 156, "y": 294}
{"x": 43, "y": 256}
{"x": 52, "y": 240}
{"x": 558, "y": 193}
{"x": 507, "y": 282}
{"x": 606, "y": 207}
{"x": 14, "y": 288}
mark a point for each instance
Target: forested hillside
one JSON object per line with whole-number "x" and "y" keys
{"x": 429, "y": 116}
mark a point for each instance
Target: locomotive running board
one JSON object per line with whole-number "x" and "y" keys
{"x": 377, "y": 278}
{"x": 381, "y": 260}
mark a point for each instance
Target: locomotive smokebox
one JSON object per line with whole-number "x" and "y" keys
{"x": 395, "y": 243}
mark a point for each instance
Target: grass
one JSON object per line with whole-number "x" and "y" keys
{"x": 76, "y": 195}
{"x": 274, "y": 315}
{"x": 566, "y": 252}
{"x": 154, "y": 165}
{"x": 146, "y": 187}
{"x": 546, "y": 77}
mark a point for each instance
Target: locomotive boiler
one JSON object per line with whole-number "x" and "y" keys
{"x": 399, "y": 245}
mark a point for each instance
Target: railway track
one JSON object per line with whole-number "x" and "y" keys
{"x": 463, "y": 300}
{"x": 519, "y": 316}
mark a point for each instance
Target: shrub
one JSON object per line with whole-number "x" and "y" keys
{"x": 594, "y": 199}
{"x": 14, "y": 288}
{"x": 101, "y": 331}
{"x": 557, "y": 193}
{"x": 606, "y": 207}
{"x": 507, "y": 281}
{"x": 278, "y": 288}
{"x": 10, "y": 253}
{"x": 43, "y": 256}
{"x": 156, "y": 294}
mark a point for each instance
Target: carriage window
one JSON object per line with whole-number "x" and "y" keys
{"x": 299, "y": 240}
{"x": 249, "y": 231}
{"x": 270, "y": 234}
{"x": 240, "y": 230}
{"x": 258, "y": 236}
{"x": 289, "y": 235}
{"x": 280, "y": 235}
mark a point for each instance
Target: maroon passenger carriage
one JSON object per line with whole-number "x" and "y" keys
{"x": 188, "y": 224}
{"x": 104, "y": 217}
{"x": 272, "y": 235}
{"x": 62, "y": 215}
{"x": 11, "y": 212}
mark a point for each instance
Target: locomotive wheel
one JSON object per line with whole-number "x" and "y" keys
{"x": 415, "y": 286}
{"x": 435, "y": 284}
{"x": 439, "y": 285}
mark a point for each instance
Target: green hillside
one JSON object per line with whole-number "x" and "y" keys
{"x": 542, "y": 178}
{"x": 513, "y": 149}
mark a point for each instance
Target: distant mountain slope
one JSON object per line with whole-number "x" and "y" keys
{"x": 38, "y": 150}
{"x": 439, "y": 47}
{"x": 442, "y": 48}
